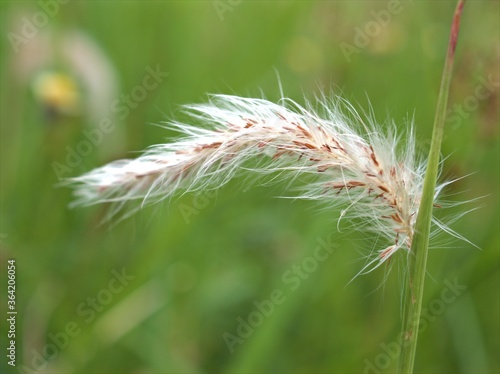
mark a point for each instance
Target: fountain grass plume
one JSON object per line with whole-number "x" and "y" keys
{"x": 346, "y": 160}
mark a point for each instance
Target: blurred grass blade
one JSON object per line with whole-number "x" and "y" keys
{"x": 419, "y": 249}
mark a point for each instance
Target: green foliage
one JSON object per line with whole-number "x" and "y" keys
{"x": 417, "y": 260}
{"x": 196, "y": 271}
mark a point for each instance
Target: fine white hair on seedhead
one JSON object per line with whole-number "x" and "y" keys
{"x": 372, "y": 172}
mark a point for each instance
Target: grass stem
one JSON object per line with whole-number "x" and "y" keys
{"x": 419, "y": 249}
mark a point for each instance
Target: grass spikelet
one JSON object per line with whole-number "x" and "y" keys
{"x": 372, "y": 172}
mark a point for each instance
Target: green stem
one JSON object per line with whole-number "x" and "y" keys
{"x": 418, "y": 253}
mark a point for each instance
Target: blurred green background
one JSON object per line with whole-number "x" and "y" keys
{"x": 197, "y": 265}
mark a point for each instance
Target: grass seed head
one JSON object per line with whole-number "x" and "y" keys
{"x": 347, "y": 161}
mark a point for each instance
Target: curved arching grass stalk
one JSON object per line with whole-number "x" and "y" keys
{"x": 342, "y": 159}
{"x": 420, "y": 245}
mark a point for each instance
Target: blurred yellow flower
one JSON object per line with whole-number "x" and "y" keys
{"x": 57, "y": 92}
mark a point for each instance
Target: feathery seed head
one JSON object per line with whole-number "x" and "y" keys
{"x": 351, "y": 162}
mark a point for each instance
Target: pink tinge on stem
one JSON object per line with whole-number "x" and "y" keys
{"x": 455, "y": 27}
